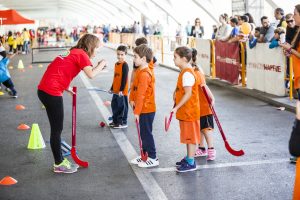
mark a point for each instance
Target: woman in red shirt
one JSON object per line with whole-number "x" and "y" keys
{"x": 56, "y": 80}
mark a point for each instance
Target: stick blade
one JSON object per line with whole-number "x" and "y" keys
{"x": 232, "y": 151}
{"x": 166, "y": 124}
{"x": 81, "y": 163}
{"x": 144, "y": 156}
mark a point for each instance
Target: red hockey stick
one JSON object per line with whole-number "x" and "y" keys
{"x": 144, "y": 155}
{"x": 168, "y": 122}
{"x": 227, "y": 146}
{"x": 73, "y": 150}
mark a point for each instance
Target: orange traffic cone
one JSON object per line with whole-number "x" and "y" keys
{"x": 30, "y": 66}
{"x": 23, "y": 127}
{"x": 7, "y": 180}
{"x": 20, "y": 107}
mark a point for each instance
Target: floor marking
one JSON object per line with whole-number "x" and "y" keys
{"x": 222, "y": 165}
{"x": 145, "y": 177}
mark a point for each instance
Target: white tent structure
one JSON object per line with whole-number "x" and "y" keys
{"x": 125, "y": 12}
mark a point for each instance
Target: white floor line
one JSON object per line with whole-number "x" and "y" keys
{"x": 222, "y": 165}
{"x": 145, "y": 177}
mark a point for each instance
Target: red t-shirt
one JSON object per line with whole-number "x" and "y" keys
{"x": 62, "y": 70}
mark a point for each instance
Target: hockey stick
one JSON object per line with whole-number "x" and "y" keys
{"x": 167, "y": 123}
{"x": 227, "y": 146}
{"x": 100, "y": 90}
{"x": 144, "y": 155}
{"x": 73, "y": 150}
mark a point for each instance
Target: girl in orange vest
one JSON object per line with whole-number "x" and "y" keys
{"x": 187, "y": 108}
{"x": 293, "y": 50}
{"x": 206, "y": 118}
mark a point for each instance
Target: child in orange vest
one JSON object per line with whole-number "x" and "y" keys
{"x": 119, "y": 103}
{"x": 151, "y": 64}
{"x": 187, "y": 108}
{"x": 142, "y": 101}
{"x": 294, "y": 147}
{"x": 206, "y": 118}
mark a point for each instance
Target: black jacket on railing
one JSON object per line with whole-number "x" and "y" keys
{"x": 294, "y": 144}
{"x": 197, "y": 35}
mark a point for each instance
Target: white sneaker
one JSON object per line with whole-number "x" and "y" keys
{"x": 136, "y": 161}
{"x": 149, "y": 163}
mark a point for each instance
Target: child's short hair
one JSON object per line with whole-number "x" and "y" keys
{"x": 122, "y": 48}
{"x": 141, "y": 40}
{"x": 143, "y": 50}
{"x": 184, "y": 52}
{"x": 88, "y": 43}
{"x": 279, "y": 30}
{"x": 257, "y": 29}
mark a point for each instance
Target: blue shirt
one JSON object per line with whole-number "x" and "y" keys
{"x": 4, "y": 73}
{"x": 235, "y": 31}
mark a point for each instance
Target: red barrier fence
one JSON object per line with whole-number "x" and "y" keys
{"x": 228, "y": 61}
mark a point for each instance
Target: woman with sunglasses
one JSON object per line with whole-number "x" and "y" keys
{"x": 197, "y": 29}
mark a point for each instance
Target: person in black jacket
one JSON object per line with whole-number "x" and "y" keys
{"x": 294, "y": 144}
{"x": 197, "y": 29}
{"x": 294, "y": 147}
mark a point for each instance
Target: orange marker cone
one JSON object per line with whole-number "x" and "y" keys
{"x": 20, "y": 107}
{"x": 23, "y": 127}
{"x": 7, "y": 180}
{"x": 30, "y": 66}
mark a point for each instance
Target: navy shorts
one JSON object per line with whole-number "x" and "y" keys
{"x": 207, "y": 122}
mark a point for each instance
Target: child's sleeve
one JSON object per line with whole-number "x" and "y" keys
{"x": 188, "y": 80}
{"x": 144, "y": 82}
{"x": 124, "y": 79}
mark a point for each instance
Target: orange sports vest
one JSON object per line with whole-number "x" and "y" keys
{"x": 143, "y": 93}
{"x": 296, "y": 68}
{"x": 118, "y": 78}
{"x": 190, "y": 111}
{"x": 204, "y": 106}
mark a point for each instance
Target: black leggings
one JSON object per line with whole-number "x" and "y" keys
{"x": 55, "y": 111}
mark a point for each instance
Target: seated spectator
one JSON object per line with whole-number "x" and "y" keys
{"x": 279, "y": 16}
{"x": 253, "y": 38}
{"x": 234, "y": 32}
{"x": 275, "y": 40}
{"x": 266, "y": 31}
{"x": 225, "y": 29}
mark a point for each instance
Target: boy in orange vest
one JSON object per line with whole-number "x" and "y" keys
{"x": 119, "y": 103}
{"x": 142, "y": 101}
{"x": 187, "y": 107}
{"x": 151, "y": 64}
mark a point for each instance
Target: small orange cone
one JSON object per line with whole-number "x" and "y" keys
{"x": 7, "y": 180}
{"x": 30, "y": 66}
{"x": 23, "y": 127}
{"x": 20, "y": 107}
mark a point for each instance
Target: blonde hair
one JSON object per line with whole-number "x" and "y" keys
{"x": 279, "y": 30}
{"x": 88, "y": 43}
